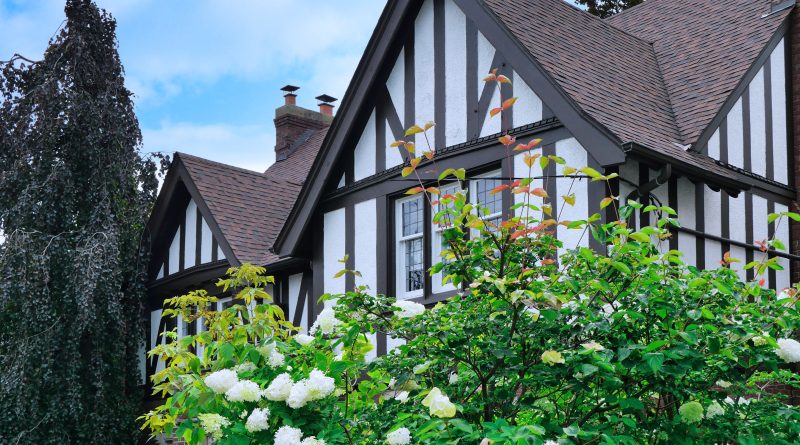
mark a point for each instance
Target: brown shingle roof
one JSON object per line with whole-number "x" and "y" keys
{"x": 704, "y": 48}
{"x": 250, "y": 207}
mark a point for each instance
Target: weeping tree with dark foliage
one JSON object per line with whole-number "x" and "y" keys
{"x": 75, "y": 193}
{"x": 607, "y": 8}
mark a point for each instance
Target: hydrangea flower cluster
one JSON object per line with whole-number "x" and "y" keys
{"x": 213, "y": 424}
{"x": 244, "y": 391}
{"x": 408, "y": 309}
{"x": 279, "y": 389}
{"x": 258, "y": 420}
{"x": 316, "y": 387}
{"x": 287, "y": 435}
{"x": 788, "y": 350}
{"x": 400, "y": 436}
{"x": 326, "y": 322}
{"x": 221, "y": 381}
{"x": 691, "y": 412}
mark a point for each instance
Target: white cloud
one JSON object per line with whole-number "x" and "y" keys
{"x": 246, "y": 146}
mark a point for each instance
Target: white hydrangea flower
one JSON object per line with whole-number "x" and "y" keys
{"x": 408, "y": 309}
{"x": 453, "y": 378}
{"x": 401, "y": 396}
{"x": 551, "y": 442}
{"x": 221, "y": 381}
{"x": 392, "y": 382}
{"x": 724, "y": 384}
{"x": 320, "y": 385}
{"x": 245, "y": 367}
{"x": 287, "y": 435}
{"x": 303, "y": 339}
{"x": 714, "y": 409}
{"x": 244, "y": 391}
{"x": 788, "y": 350}
{"x": 276, "y": 359}
{"x": 326, "y": 322}
{"x": 258, "y": 420}
{"x": 400, "y": 436}
{"x": 279, "y": 389}
{"x": 213, "y": 424}
{"x": 439, "y": 404}
{"x": 311, "y": 440}
{"x": 298, "y": 396}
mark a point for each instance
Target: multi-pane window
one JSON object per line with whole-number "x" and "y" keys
{"x": 492, "y": 203}
{"x": 414, "y": 221}
{"x": 439, "y": 243}
{"x": 410, "y": 245}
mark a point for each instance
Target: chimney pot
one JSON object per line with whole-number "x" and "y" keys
{"x": 326, "y": 104}
{"x": 290, "y": 99}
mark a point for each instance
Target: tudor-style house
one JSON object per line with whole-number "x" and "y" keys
{"x": 694, "y": 103}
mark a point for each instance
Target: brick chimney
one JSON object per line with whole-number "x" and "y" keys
{"x": 293, "y": 124}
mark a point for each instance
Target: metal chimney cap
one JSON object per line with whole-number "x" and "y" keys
{"x": 290, "y": 88}
{"x": 324, "y": 98}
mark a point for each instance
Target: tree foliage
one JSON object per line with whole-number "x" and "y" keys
{"x": 543, "y": 342}
{"x": 74, "y": 197}
{"x": 607, "y": 8}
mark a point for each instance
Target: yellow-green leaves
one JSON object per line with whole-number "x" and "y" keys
{"x": 551, "y": 357}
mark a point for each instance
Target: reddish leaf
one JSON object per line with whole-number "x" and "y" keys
{"x": 429, "y": 125}
{"x": 494, "y": 111}
{"x": 503, "y": 79}
{"x": 507, "y": 140}
{"x": 498, "y": 189}
{"x": 428, "y": 154}
{"x": 407, "y": 171}
{"x": 414, "y": 191}
{"x": 508, "y": 103}
{"x": 397, "y": 143}
{"x": 432, "y": 190}
{"x": 540, "y": 192}
{"x": 415, "y": 162}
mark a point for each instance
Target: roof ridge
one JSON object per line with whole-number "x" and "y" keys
{"x": 632, "y": 8}
{"x": 217, "y": 163}
{"x": 609, "y": 25}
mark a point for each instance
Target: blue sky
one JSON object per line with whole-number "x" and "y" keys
{"x": 207, "y": 73}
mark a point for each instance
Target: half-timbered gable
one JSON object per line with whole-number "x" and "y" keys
{"x": 689, "y": 101}
{"x": 211, "y": 216}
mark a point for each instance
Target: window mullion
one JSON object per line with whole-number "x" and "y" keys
{"x": 426, "y": 250}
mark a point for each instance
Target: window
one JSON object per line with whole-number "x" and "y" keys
{"x": 482, "y": 197}
{"x": 415, "y": 229}
{"x": 410, "y": 259}
{"x": 439, "y": 243}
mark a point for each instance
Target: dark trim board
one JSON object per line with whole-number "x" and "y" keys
{"x": 473, "y": 158}
{"x": 549, "y": 131}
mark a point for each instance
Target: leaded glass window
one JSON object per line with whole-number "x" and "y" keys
{"x": 411, "y": 267}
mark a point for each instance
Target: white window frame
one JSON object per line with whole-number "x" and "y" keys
{"x": 473, "y": 197}
{"x": 436, "y": 242}
{"x": 400, "y": 254}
